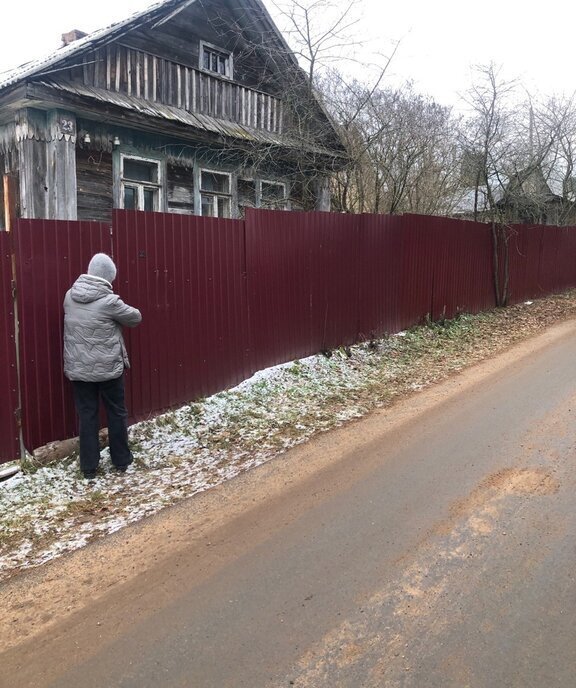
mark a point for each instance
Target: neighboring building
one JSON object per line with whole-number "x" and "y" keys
{"x": 528, "y": 199}
{"x": 192, "y": 106}
{"x": 471, "y": 204}
{"x": 525, "y": 197}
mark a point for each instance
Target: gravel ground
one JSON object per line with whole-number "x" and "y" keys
{"x": 46, "y": 511}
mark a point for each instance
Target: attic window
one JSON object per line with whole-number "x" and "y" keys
{"x": 213, "y": 59}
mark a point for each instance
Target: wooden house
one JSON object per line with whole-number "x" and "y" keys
{"x": 529, "y": 199}
{"x": 524, "y": 197}
{"x": 191, "y": 106}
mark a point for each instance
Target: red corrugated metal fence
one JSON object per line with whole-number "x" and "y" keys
{"x": 9, "y": 438}
{"x": 223, "y": 298}
{"x": 50, "y": 255}
{"x": 188, "y": 277}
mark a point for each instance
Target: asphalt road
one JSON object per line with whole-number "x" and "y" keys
{"x": 433, "y": 553}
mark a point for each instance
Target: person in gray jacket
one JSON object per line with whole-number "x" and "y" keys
{"x": 95, "y": 358}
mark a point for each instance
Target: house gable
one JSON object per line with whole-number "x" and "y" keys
{"x": 201, "y": 84}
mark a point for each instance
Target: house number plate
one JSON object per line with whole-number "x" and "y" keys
{"x": 67, "y": 126}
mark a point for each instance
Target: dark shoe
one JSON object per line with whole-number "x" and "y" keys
{"x": 89, "y": 475}
{"x": 124, "y": 466}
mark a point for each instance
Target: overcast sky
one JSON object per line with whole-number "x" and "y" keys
{"x": 439, "y": 41}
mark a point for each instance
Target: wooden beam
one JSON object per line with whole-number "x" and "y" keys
{"x": 9, "y": 185}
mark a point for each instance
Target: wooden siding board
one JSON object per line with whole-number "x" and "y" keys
{"x": 187, "y": 78}
{"x": 95, "y": 185}
{"x": 195, "y": 76}
{"x": 180, "y": 189}
{"x": 108, "y": 67}
{"x": 118, "y": 70}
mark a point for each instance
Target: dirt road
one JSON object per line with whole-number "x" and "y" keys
{"x": 429, "y": 545}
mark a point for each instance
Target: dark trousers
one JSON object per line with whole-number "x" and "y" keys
{"x": 87, "y": 398}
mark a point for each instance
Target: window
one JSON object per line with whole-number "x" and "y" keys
{"x": 140, "y": 184}
{"x": 213, "y": 59}
{"x": 273, "y": 195}
{"x": 256, "y": 193}
{"x": 215, "y": 193}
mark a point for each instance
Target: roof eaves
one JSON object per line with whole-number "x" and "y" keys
{"x": 195, "y": 120}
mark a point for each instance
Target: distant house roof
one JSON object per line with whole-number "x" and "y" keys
{"x": 471, "y": 197}
{"x": 531, "y": 183}
{"x": 158, "y": 12}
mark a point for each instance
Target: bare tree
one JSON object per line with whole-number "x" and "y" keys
{"x": 487, "y": 139}
{"x": 556, "y": 117}
{"x": 403, "y": 149}
{"x": 319, "y": 31}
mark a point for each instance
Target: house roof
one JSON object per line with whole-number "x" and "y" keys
{"x": 531, "y": 182}
{"x": 158, "y": 12}
{"x": 44, "y": 72}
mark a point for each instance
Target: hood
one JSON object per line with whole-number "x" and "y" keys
{"x": 103, "y": 266}
{"x": 88, "y": 288}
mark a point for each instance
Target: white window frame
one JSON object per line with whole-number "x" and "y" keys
{"x": 216, "y": 194}
{"x": 140, "y": 185}
{"x": 229, "y": 69}
{"x": 273, "y": 182}
{"x": 258, "y": 192}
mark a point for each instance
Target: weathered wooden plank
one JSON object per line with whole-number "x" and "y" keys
{"x": 180, "y": 94}
{"x": 195, "y": 77}
{"x": 100, "y": 69}
{"x": 108, "y": 67}
{"x": 128, "y": 72}
{"x": 201, "y": 93}
{"x": 32, "y": 156}
{"x": 180, "y": 194}
{"x": 94, "y": 174}
{"x": 165, "y": 71}
{"x": 138, "y": 68}
{"x": 187, "y": 77}
{"x": 118, "y": 69}
{"x": 236, "y": 105}
{"x": 95, "y": 74}
{"x": 145, "y": 77}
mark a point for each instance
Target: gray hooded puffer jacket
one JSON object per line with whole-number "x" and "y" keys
{"x": 94, "y": 348}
